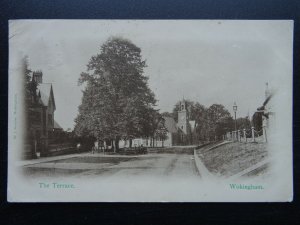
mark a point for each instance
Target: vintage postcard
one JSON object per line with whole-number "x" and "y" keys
{"x": 150, "y": 111}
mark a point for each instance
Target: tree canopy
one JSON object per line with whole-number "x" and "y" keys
{"x": 117, "y": 101}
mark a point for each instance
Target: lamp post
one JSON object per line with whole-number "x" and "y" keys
{"x": 235, "y": 109}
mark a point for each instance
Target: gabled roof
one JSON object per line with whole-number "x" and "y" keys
{"x": 192, "y": 124}
{"x": 46, "y": 92}
{"x": 170, "y": 124}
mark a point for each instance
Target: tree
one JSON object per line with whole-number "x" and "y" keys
{"x": 243, "y": 123}
{"x": 152, "y": 119}
{"x": 167, "y": 114}
{"x": 200, "y": 117}
{"x": 219, "y": 120}
{"x": 210, "y": 122}
{"x": 197, "y": 112}
{"x": 161, "y": 131}
{"x": 257, "y": 120}
{"x": 30, "y": 95}
{"x": 31, "y": 103}
{"x": 27, "y": 96}
{"x": 117, "y": 96}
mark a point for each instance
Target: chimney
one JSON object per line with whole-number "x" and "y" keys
{"x": 37, "y": 76}
{"x": 267, "y": 91}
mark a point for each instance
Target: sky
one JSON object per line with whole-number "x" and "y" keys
{"x": 206, "y": 61}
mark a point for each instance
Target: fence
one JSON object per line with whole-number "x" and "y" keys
{"x": 250, "y": 135}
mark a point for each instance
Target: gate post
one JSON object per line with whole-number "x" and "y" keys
{"x": 265, "y": 134}
{"x": 252, "y": 133}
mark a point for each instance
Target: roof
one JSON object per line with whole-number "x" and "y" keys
{"x": 192, "y": 124}
{"x": 56, "y": 125}
{"x": 45, "y": 90}
{"x": 267, "y": 100}
{"x": 170, "y": 124}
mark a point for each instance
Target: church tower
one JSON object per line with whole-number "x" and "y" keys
{"x": 183, "y": 117}
{"x": 37, "y": 76}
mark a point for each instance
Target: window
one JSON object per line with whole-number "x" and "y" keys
{"x": 35, "y": 117}
{"x": 50, "y": 122}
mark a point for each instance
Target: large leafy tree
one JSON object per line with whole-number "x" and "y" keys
{"x": 243, "y": 123}
{"x": 27, "y": 95}
{"x": 30, "y": 96}
{"x": 219, "y": 120}
{"x": 161, "y": 131}
{"x": 116, "y": 97}
{"x": 200, "y": 117}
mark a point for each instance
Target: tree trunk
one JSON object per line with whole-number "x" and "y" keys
{"x": 130, "y": 143}
{"x": 117, "y": 143}
{"x": 112, "y": 145}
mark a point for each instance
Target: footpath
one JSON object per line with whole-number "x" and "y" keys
{"x": 53, "y": 159}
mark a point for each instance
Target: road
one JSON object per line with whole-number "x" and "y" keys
{"x": 89, "y": 165}
{"x": 144, "y": 178}
{"x": 114, "y": 178}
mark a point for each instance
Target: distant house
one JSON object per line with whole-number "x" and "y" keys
{"x": 180, "y": 133}
{"x": 265, "y": 117}
{"x": 57, "y": 127}
{"x": 172, "y": 129}
{"x": 43, "y": 125}
{"x": 268, "y": 115}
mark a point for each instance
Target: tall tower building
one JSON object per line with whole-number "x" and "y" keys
{"x": 37, "y": 76}
{"x": 267, "y": 91}
{"x": 183, "y": 117}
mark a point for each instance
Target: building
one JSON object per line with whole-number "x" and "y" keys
{"x": 185, "y": 126}
{"x": 269, "y": 119}
{"x": 172, "y": 131}
{"x": 268, "y": 112}
{"x": 42, "y": 125}
{"x": 182, "y": 132}
{"x": 264, "y": 119}
{"x": 177, "y": 133}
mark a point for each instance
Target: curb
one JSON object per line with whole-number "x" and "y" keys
{"x": 204, "y": 173}
{"x": 218, "y": 145}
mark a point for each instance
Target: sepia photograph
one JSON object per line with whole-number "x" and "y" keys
{"x": 150, "y": 111}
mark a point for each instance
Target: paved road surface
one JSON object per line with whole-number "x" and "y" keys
{"x": 88, "y": 165}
